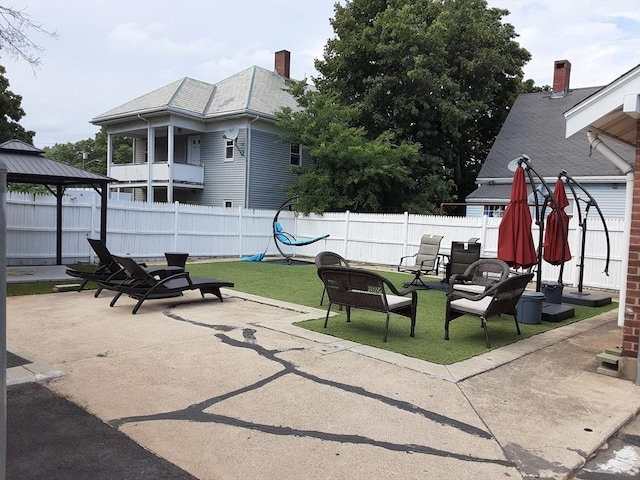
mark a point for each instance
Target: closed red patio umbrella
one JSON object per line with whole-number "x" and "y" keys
{"x": 515, "y": 240}
{"x": 556, "y": 245}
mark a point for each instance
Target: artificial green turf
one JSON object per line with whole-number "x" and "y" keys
{"x": 300, "y": 284}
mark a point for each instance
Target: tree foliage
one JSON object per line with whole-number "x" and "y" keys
{"x": 12, "y": 113}
{"x": 349, "y": 170}
{"x": 15, "y": 27}
{"x": 439, "y": 74}
{"x": 91, "y": 154}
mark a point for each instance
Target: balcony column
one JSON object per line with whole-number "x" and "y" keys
{"x": 151, "y": 155}
{"x": 109, "y": 153}
{"x": 170, "y": 142}
{"x": 109, "y": 156}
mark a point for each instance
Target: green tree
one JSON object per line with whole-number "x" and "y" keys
{"x": 442, "y": 74}
{"x": 348, "y": 171}
{"x": 91, "y": 154}
{"x": 12, "y": 113}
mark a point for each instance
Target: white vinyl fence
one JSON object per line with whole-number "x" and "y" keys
{"x": 146, "y": 231}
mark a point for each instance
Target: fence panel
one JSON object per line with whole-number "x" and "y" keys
{"x": 146, "y": 231}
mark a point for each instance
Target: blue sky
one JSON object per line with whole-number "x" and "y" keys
{"x": 109, "y": 52}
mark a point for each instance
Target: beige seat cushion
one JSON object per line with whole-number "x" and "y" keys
{"x": 469, "y": 287}
{"x": 395, "y": 301}
{"x": 470, "y": 306}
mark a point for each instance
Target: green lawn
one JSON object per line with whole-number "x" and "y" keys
{"x": 300, "y": 284}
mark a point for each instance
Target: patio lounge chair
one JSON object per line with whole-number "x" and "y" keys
{"x": 501, "y": 297}
{"x": 108, "y": 270}
{"x": 325, "y": 259}
{"x": 358, "y": 288}
{"x": 142, "y": 285}
{"x": 426, "y": 260}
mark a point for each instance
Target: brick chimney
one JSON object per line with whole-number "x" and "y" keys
{"x": 283, "y": 63}
{"x": 561, "y": 75}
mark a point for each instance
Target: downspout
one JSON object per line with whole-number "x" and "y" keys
{"x": 627, "y": 170}
{"x": 247, "y": 159}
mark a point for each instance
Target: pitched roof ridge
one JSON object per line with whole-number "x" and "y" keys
{"x": 247, "y": 100}
{"x": 177, "y": 90}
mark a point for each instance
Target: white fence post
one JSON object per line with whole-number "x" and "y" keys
{"x": 240, "y": 249}
{"x": 405, "y": 240}
{"x": 176, "y": 224}
{"x": 345, "y": 247}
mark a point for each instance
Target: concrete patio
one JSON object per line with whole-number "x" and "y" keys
{"x": 234, "y": 390}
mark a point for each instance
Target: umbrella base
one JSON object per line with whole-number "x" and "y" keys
{"x": 553, "y": 312}
{"x": 586, "y": 299}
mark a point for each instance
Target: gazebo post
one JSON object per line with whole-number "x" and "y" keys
{"x": 59, "y": 193}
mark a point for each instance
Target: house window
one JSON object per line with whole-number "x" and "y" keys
{"x": 494, "y": 210}
{"x": 228, "y": 204}
{"x": 228, "y": 152}
{"x": 294, "y": 158}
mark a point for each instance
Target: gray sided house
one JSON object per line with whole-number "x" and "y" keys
{"x": 535, "y": 127}
{"x": 210, "y": 143}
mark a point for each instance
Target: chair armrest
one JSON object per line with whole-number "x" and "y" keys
{"x": 395, "y": 291}
{"x": 405, "y": 257}
{"x": 175, "y": 276}
{"x": 436, "y": 266}
{"x": 457, "y": 294}
{"x": 459, "y": 278}
{"x": 115, "y": 275}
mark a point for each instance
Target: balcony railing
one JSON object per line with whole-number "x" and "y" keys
{"x": 139, "y": 173}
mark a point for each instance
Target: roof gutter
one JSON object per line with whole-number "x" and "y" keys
{"x": 627, "y": 170}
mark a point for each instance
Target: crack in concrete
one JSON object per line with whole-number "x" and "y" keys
{"x": 196, "y": 412}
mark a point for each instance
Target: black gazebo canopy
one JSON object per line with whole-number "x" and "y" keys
{"x": 26, "y": 164}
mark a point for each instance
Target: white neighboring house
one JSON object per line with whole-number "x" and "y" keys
{"x": 209, "y": 143}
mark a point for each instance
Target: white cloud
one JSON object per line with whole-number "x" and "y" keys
{"x": 111, "y": 51}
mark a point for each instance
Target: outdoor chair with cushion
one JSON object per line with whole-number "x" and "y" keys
{"x": 426, "y": 260}
{"x": 142, "y": 285}
{"x": 324, "y": 259}
{"x": 480, "y": 275}
{"x": 501, "y": 297}
{"x": 462, "y": 255}
{"x": 358, "y": 288}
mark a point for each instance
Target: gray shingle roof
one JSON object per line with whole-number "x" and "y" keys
{"x": 536, "y": 127}
{"x": 254, "y": 91}
{"x": 25, "y": 164}
{"x": 490, "y": 193}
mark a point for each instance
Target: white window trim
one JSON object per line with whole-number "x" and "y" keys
{"x": 299, "y": 164}
{"x": 233, "y": 150}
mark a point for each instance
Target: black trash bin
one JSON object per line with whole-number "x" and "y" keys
{"x": 552, "y": 292}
